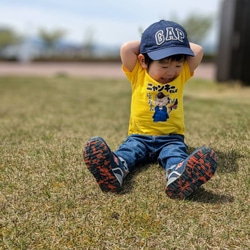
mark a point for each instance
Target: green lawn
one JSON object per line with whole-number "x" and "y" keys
{"x": 49, "y": 200}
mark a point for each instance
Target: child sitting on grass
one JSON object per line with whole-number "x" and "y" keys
{"x": 158, "y": 66}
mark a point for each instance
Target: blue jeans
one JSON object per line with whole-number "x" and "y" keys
{"x": 167, "y": 149}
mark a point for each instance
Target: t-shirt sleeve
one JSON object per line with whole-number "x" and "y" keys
{"x": 132, "y": 76}
{"x": 187, "y": 74}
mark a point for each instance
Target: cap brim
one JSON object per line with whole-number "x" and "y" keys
{"x": 170, "y": 51}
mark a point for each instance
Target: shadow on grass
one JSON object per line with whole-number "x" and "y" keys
{"x": 204, "y": 196}
{"x": 201, "y": 195}
{"x": 130, "y": 182}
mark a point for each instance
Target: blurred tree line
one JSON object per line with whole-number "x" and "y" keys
{"x": 51, "y": 37}
{"x": 197, "y": 27}
{"x": 8, "y": 37}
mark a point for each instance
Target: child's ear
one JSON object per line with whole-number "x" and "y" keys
{"x": 142, "y": 61}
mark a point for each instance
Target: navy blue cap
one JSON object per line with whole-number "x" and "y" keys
{"x": 163, "y": 39}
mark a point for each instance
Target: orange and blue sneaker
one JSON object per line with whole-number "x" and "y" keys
{"x": 190, "y": 174}
{"x": 105, "y": 166}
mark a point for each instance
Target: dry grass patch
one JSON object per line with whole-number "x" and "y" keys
{"x": 49, "y": 200}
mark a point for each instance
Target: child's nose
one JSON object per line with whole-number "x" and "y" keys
{"x": 171, "y": 72}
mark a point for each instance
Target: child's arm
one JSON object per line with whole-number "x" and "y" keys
{"x": 193, "y": 62}
{"x": 129, "y": 54}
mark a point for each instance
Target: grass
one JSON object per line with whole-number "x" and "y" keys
{"x": 49, "y": 200}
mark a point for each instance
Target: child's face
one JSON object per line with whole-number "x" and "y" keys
{"x": 165, "y": 70}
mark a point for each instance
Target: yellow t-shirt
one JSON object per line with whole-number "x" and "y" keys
{"x": 156, "y": 108}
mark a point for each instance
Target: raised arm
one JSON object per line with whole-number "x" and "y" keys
{"x": 129, "y": 54}
{"x": 193, "y": 62}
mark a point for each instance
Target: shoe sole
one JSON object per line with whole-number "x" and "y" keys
{"x": 97, "y": 157}
{"x": 200, "y": 167}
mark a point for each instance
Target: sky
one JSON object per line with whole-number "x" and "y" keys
{"x": 107, "y": 22}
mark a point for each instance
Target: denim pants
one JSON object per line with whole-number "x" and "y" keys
{"x": 167, "y": 149}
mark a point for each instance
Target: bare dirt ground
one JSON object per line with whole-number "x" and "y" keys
{"x": 107, "y": 70}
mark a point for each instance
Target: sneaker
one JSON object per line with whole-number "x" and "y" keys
{"x": 190, "y": 174}
{"x": 104, "y": 165}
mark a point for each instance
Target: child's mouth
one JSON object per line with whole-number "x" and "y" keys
{"x": 166, "y": 80}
